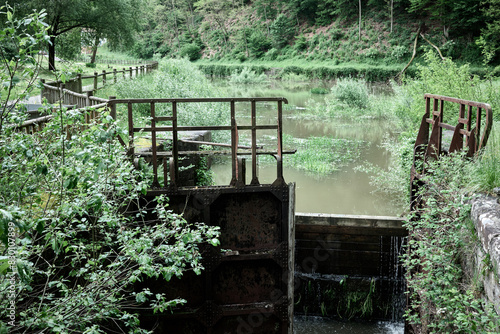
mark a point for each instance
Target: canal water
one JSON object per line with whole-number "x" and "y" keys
{"x": 346, "y": 191}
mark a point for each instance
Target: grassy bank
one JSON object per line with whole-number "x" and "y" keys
{"x": 310, "y": 70}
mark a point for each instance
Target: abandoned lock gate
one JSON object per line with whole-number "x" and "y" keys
{"x": 247, "y": 284}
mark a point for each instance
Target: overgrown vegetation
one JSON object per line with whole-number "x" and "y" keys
{"x": 322, "y": 155}
{"x": 379, "y": 32}
{"x": 75, "y": 240}
{"x": 444, "y": 296}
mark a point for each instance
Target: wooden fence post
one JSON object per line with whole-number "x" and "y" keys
{"x": 103, "y": 77}
{"x": 79, "y": 82}
{"x": 112, "y": 107}
{"x": 95, "y": 80}
{"x": 130, "y": 67}
{"x": 124, "y": 73}
{"x": 88, "y": 102}
{"x": 114, "y": 75}
{"x": 42, "y": 90}
{"x": 136, "y": 71}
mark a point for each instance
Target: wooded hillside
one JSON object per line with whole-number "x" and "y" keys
{"x": 333, "y": 30}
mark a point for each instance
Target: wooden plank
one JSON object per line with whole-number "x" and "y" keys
{"x": 350, "y": 230}
{"x": 311, "y": 244}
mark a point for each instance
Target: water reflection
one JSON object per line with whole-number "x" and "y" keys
{"x": 318, "y": 325}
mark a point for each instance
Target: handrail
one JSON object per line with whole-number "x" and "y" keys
{"x": 158, "y": 158}
{"x": 474, "y": 119}
{"x": 75, "y": 84}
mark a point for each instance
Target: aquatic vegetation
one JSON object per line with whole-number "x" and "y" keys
{"x": 322, "y": 155}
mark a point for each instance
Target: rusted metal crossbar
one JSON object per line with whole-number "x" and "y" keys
{"x": 158, "y": 157}
{"x": 471, "y": 132}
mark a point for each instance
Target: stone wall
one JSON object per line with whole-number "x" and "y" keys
{"x": 486, "y": 262}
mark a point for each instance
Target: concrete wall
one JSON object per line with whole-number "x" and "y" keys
{"x": 486, "y": 262}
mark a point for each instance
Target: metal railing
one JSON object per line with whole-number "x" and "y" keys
{"x": 170, "y": 159}
{"x": 471, "y": 132}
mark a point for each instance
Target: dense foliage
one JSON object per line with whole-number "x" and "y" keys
{"x": 445, "y": 294}
{"x": 368, "y": 31}
{"x": 76, "y": 239}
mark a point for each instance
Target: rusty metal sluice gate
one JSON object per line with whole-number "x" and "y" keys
{"x": 247, "y": 284}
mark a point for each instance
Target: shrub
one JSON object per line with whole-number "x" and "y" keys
{"x": 192, "y": 51}
{"x": 320, "y": 90}
{"x": 65, "y": 198}
{"x": 398, "y": 52}
{"x": 258, "y": 43}
{"x": 301, "y": 43}
{"x": 352, "y": 92}
{"x": 247, "y": 76}
{"x": 281, "y": 30}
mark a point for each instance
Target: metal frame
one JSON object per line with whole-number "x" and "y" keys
{"x": 466, "y": 134}
{"x": 237, "y": 178}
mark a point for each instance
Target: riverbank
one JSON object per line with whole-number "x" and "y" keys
{"x": 324, "y": 70}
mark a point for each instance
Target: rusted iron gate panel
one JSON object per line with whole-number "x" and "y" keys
{"x": 471, "y": 133}
{"x": 248, "y": 287}
{"x": 170, "y": 159}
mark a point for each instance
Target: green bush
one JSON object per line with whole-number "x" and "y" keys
{"x": 247, "y": 76}
{"x": 281, "y": 30}
{"x": 192, "y": 51}
{"x": 444, "y": 298}
{"x": 65, "y": 198}
{"x": 300, "y": 43}
{"x": 258, "y": 43}
{"x": 320, "y": 90}
{"x": 353, "y": 93}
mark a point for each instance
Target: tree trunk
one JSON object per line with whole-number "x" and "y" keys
{"x": 52, "y": 53}
{"x": 359, "y": 28}
{"x": 392, "y": 14}
{"x": 94, "y": 49}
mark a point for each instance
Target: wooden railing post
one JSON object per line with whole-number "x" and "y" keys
{"x": 114, "y": 75}
{"x": 42, "y": 90}
{"x": 130, "y": 67}
{"x": 95, "y": 80}
{"x": 112, "y": 108}
{"x": 136, "y": 71}
{"x": 124, "y": 73}
{"x": 104, "y": 77}
{"x": 79, "y": 82}
{"x": 88, "y": 101}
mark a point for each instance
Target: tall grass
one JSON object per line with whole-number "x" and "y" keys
{"x": 488, "y": 164}
{"x": 175, "y": 78}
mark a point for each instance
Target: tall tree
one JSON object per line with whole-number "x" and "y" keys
{"x": 490, "y": 35}
{"x": 113, "y": 19}
{"x": 455, "y": 16}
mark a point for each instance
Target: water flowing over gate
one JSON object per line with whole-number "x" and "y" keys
{"x": 247, "y": 284}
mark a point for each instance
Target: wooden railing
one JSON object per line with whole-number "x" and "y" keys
{"x": 71, "y": 94}
{"x": 101, "y": 60}
{"x": 50, "y": 90}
